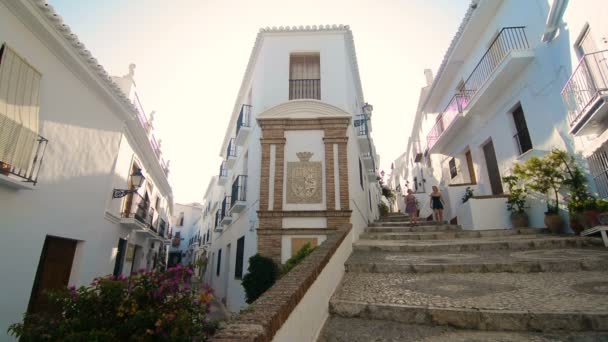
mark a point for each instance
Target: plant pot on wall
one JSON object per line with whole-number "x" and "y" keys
{"x": 519, "y": 220}
{"x": 554, "y": 222}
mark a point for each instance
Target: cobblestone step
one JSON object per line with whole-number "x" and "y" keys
{"x": 515, "y": 242}
{"x": 573, "y": 301}
{"x": 340, "y": 329}
{"x": 540, "y": 260}
{"x": 444, "y": 235}
{"x": 403, "y": 224}
{"x": 417, "y": 228}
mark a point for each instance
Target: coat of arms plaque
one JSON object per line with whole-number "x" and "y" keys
{"x": 304, "y": 180}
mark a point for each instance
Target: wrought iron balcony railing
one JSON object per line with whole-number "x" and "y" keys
{"x": 223, "y": 170}
{"x": 508, "y": 39}
{"x": 226, "y": 203}
{"x": 239, "y": 190}
{"x": 218, "y": 218}
{"x": 587, "y": 83}
{"x": 231, "y": 150}
{"x": 244, "y": 119}
{"x": 523, "y": 141}
{"x": 138, "y": 208}
{"x": 305, "y": 89}
{"x": 27, "y": 171}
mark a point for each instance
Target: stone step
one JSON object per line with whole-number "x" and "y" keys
{"x": 515, "y": 242}
{"x": 540, "y": 260}
{"x": 402, "y": 224}
{"x": 395, "y": 219}
{"x": 340, "y": 329}
{"x": 443, "y": 235}
{"x": 417, "y": 228}
{"x": 572, "y": 301}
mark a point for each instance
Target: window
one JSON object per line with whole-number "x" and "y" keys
{"x": 415, "y": 184}
{"x": 453, "y": 169}
{"x": 180, "y": 220}
{"x": 304, "y": 76}
{"x": 240, "y": 250}
{"x": 157, "y": 204}
{"x": 19, "y": 107}
{"x": 522, "y": 136}
{"x": 598, "y": 165}
{"x": 360, "y": 174}
{"x": 219, "y": 262}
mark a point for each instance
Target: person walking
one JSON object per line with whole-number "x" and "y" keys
{"x": 411, "y": 207}
{"x": 437, "y": 204}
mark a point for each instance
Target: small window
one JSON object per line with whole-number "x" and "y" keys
{"x": 157, "y": 204}
{"x": 219, "y": 262}
{"x": 180, "y": 221}
{"x": 453, "y": 169}
{"x": 304, "y": 76}
{"x": 360, "y": 174}
{"x": 240, "y": 250}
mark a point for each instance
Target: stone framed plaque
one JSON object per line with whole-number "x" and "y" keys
{"x": 304, "y": 180}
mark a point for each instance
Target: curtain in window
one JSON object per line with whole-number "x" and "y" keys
{"x": 19, "y": 106}
{"x": 305, "y": 67}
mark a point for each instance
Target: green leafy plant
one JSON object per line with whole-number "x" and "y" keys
{"x": 468, "y": 193}
{"x": 516, "y": 200}
{"x": 544, "y": 175}
{"x": 388, "y": 193}
{"x": 147, "y": 306}
{"x": 261, "y": 275}
{"x": 383, "y": 209}
{"x": 297, "y": 258}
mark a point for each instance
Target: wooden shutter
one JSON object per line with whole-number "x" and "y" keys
{"x": 19, "y": 106}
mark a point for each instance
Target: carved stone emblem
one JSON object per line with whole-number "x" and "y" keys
{"x": 304, "y": 180}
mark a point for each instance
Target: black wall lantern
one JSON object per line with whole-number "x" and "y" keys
{"x": 137, "y": 179}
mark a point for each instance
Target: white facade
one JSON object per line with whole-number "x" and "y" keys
{"x": 496, "y": 71}
{"x": 96, "y": 136}
{"x": 186, "y": 238}
{"x": 265, "y": 88}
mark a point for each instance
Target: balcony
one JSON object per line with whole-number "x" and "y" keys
{"x": 217, "y": 227}
{"x": 417, "y": 151}
{"x": 23, "y": 160}
{"x": 305, "y": 89}
{"x": 362, "y": 133}
{"x": 367, "y": 159}
{"x": 137, "y": 213}
{"x": 508, "y": 55}
{"x": 586, "y": 95}
{"x": 372, "y": 176}
{"x": 243, "y": 125}
{"x": 223, "y": 175}
{"x": 238, "y": 198}
{"x": 231, "y": 154}
{"x": 226, "y": 217}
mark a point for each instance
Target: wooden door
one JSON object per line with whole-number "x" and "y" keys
{"x": 492, "y": 167}
{"x": 53, "y": 271}
{"x": 470, "y": 166}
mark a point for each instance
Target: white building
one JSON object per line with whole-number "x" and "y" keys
{"x": 298, "y": 157}
{"x": 580, "y": 30}
{"x": 71, "y": 138}
{"x": 495, "y": 101}
{"x": 186, "y": 235}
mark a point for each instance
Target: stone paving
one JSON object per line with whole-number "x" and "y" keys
{"x": 520, "y": 281}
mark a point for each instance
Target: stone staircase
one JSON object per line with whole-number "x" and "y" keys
{"x": 440, "y": 283}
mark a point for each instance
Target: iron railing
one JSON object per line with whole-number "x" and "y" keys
{"x": 239, "y": 190}
{"x": 226, "y": 203}
{"x": 29, "y": 173}
{"x": 231, "y": 150}
{"x": 223, "y": 170}
{"x": 588, "y": 82}
{"x": 305, "y": 89}
{"x": 362, "y": 130}
{"x": 162, "y": 227}
{"x": 244, "y": 119}
{"x": 523, "y": 141}
{"x": 143, "y": 119}
{"x": 508, "y": 39}
{"x": 218, "y": 218}
{"x": 446, "y": 117}
{"x": 139, "y": 208}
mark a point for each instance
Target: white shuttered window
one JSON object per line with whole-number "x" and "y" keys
{"x": 19, "y": 106}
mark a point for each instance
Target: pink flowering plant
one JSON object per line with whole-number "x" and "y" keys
{"x": 147, "y": 306}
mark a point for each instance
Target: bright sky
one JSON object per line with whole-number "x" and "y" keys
{"x": 191, "y": 56}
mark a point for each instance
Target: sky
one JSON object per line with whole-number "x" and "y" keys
{"x": 191, "y": 56}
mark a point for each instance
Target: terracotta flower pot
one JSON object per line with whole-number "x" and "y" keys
{"x": 554, "y": 222}
{"x": 578, "y": 222}
{"x": 591, "y": 218}
{"x": 519, "y": 220}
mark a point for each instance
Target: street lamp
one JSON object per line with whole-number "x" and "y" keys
{"x": 367, "y": 109}
{"x": 137, "y": 179}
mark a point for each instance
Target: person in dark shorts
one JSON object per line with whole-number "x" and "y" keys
{"x": 437, "y": 204}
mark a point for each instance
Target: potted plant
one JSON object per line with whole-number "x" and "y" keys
{"x": 516, "y": 202}
{"x": 545, "y": 175}
{"x": 468, "y": 193}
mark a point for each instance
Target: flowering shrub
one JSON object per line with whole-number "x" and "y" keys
{"x": 147, "y": 306}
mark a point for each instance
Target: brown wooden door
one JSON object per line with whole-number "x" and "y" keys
{"x": 492, "y": 166}
{"x": 53, "y": 271}
{"x": 473, "y": 179}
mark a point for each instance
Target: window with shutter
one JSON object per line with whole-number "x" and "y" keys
{"x": 305, "y": 76}
{"x": 240, "y": 252}
{"x": 19, "y": 106}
